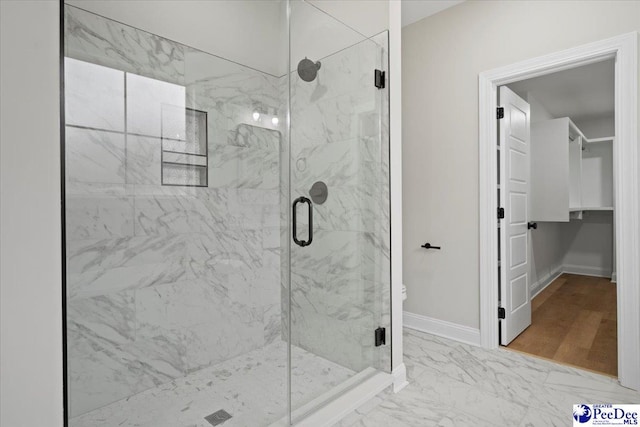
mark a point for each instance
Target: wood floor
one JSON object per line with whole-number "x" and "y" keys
{"x": 573, "y": 321}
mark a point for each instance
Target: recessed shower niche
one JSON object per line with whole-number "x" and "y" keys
{"x": 186, "y": 295}
{"x": 184, "y": 146}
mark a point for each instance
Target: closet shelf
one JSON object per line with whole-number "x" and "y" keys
{"x": 579, "y": 133}
{"x": 596, "y": 140}
{"x": 591, "y": 208}
{"x": 572, "y": 181}
{"x": 170, "y": 157}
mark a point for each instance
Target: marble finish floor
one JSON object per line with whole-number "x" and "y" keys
{"x": 451, "y": 384}
{"x": 251, "y": 387}
{"x": 455, "y": 384}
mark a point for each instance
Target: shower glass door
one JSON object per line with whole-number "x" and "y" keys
{"x": 339, "y": 190}
{"x": 173, "y": 164}
{"x": 194, "y": 295}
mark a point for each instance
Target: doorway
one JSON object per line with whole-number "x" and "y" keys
{"x": 557, "y": 277}
{"x": 623, "y": 50}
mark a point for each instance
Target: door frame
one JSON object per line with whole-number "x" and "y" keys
{"x": 624, "y": 49}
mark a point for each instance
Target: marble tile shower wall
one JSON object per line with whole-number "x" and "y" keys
{"x": 163, "y": 281}
{"x": 341, "y": 283}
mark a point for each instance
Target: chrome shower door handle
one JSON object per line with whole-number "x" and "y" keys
{"x": 302, "y": 243}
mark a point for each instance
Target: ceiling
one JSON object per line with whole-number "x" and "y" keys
{"x": 415, "y": 10}
{"x": 581, "y": 93}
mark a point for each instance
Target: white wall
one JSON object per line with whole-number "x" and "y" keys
{"x": 442, "y": 57}
{"x": 30, "y": 242}
{"x": 538, "y": 111}
{"x": 589, "y": 244}
{"x": 597, "y": 127}
{"x": 547, "y": 251}
{"x": 368, "y": 17}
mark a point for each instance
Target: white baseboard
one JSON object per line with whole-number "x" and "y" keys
{"x": 545, "y": 281}
{"x": 442, "y": 328}
{"x": 586, "y": 270}
{"x": 614, "y": 277}
{"x": 542, "y": 284}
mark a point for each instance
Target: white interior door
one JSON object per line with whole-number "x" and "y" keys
{"x": 514, "y": 135}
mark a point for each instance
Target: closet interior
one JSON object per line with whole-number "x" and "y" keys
{"x": 572, "y": 271}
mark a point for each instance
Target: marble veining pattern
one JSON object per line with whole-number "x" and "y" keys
{"x": 99, "y": 216}
{"x": 339, "y": 135}
{"x": 95, "y": 156}
{"x": 455, "y": 384}
{"x": 451, "y": 384}
{"x": 164, "y": 281}
{"x": 93, "y": 38}
{"x": 251, "y": 387}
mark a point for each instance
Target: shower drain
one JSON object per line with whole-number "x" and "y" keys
{"x": 218, "y": 417}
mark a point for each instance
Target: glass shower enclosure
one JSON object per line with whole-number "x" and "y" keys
{"x": 227, "y": 212}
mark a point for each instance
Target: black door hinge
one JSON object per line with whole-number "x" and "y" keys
{"x": 501, "y": 313}
{"x": 500, "y": 112}
{"x": 379, "y": 79}
{"x": 500, "y": 213}
{"x": 381, "y": 336}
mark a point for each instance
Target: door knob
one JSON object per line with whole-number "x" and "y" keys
{"x": 533, "y": 225}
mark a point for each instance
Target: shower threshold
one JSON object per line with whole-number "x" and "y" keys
{"x": 335, "y": 404}
{"x": 251, "y": 387}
